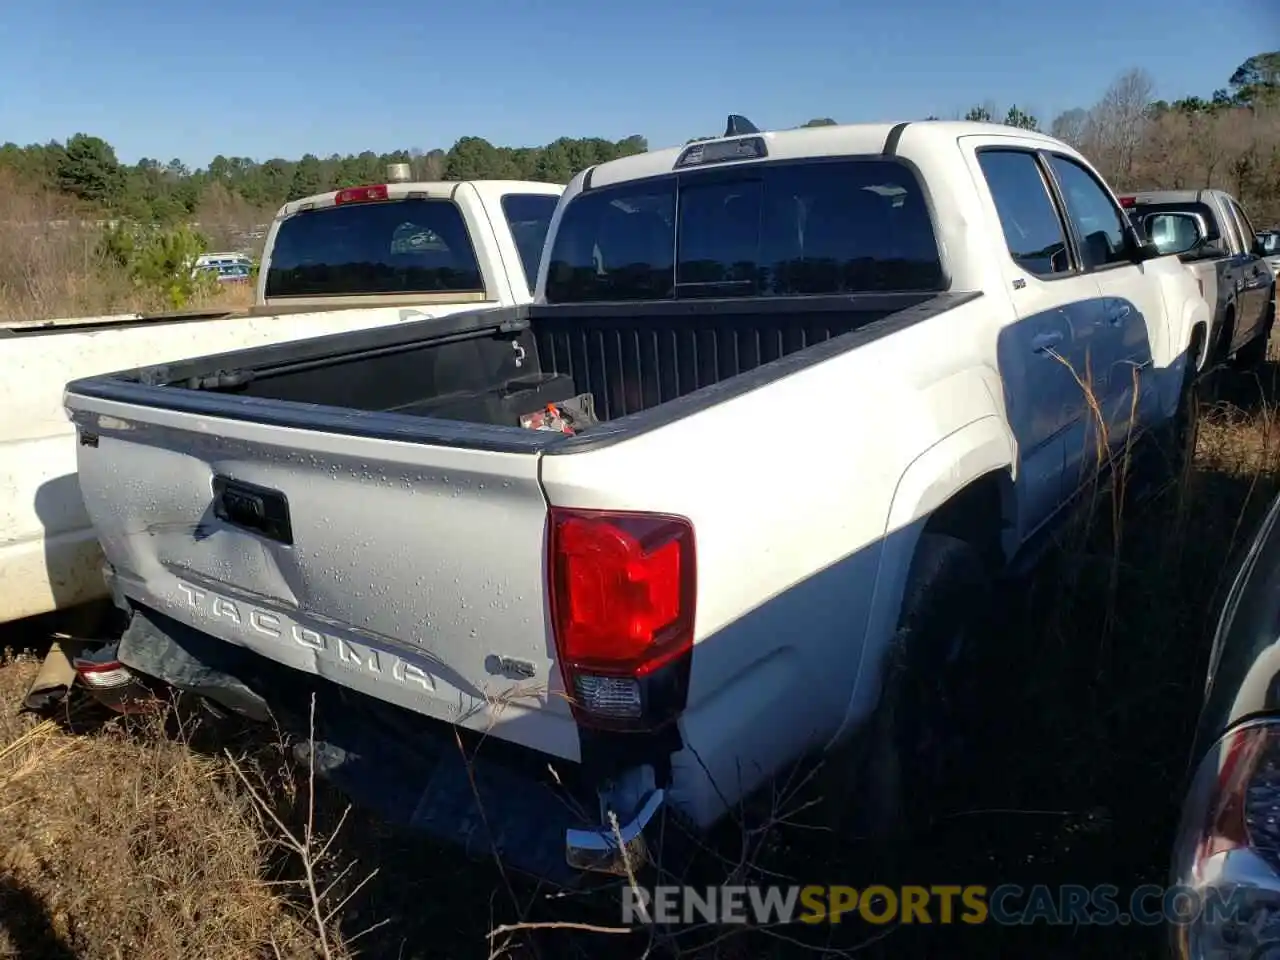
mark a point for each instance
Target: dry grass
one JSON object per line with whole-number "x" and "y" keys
{"x": 49, "y": 265}
{"x": 124, "y": 842}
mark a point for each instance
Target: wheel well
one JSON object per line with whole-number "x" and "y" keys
{"x": 1197, "y": 349}
{"x": 1228, "y": 333}
{"x": 979, "y": 514}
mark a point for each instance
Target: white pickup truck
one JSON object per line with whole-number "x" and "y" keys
{"x": 349, "y": 259}
{"x": 797, "y": 398}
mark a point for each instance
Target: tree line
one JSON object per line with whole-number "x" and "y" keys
{"x": 1231, "y": 138}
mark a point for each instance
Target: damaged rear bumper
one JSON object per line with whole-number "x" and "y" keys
{"x": 487, "y": 797}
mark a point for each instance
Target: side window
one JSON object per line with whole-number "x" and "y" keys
{"x": 1099, "y": 222}
{"x": 1033, "y": 231}
{"x": 1231, "y": 229}
{"x": 1247, "y": 234}
{"x": 528, "y": 217}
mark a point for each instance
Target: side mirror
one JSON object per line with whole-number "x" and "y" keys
{"x": 1259, "y": 247}
{"x": 1176, "y": 233}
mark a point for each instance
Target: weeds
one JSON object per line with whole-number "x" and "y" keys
{"x": 53, "y": 264}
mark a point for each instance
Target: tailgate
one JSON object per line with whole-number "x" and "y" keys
{"x": 409, "y": 571}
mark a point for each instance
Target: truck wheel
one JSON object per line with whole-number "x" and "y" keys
{"x": 1254, "y": 353}
{"x": 922, "y": 732}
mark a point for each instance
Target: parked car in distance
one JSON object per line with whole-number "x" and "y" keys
{"x": 1271, "y": 248}
{"x": 333, "y": 262}
{"x": 731, "y": 492}
{"x": 1212, "y": 234}
{"x": 1227, "y": 845}
{"x": 225, "y": 267}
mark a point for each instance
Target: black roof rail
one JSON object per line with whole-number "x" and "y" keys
{"x": 739, "y": 125}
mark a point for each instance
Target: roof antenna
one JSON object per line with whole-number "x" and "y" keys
{"x": 739, "y": 125}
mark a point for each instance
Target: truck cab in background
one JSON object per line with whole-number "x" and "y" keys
{"x": 1212, "y": 234}
{"x": 350, "y": 259}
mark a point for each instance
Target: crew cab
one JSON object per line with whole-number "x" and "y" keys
{"x": 351, "y": 259}
{"x": 1212, "y": 234}
{"x": 727, "y": 495}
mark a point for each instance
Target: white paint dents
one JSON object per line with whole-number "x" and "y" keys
{"x": 252, "y": 623}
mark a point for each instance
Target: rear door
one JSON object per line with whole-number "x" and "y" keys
{"x": 1230, "y": 270}
{"x": 1132, "y": 305}
{"x": 409, "y": 571}
{"x": 1046, "y": 356}
{"x": 1254, "y": 297}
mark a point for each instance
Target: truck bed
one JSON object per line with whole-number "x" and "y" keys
{"x": 255, "y": 497}
{"x": 486, "y": 368}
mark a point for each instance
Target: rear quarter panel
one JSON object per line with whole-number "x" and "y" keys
{"x": 806, "y": 511}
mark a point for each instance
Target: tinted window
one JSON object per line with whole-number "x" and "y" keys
{"x": 761, "y": 230}
{"x": 1032, "y": 229}
{"x": 1246, "y": 228}
{"x": 1231, "y": 229}
{"x": 1096, "y": 217}
{"x": 403, "y": 246}
{"x": 528, "y": 216}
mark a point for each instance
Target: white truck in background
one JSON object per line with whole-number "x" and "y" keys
{"x": 821, "y": 387}
{"x": 349, "y": 259}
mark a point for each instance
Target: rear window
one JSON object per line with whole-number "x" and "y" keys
{"x": 528, "y": 217}
{"x": 824, "y": 227}
{"x": 401, "y": 246}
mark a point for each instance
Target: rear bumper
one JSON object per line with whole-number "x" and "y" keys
{"x": 538, "y": 815}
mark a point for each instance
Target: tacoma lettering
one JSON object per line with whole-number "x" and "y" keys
{"x": 350, "y": 654}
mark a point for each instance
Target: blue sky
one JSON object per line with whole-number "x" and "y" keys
{"x": 322, "y": 76}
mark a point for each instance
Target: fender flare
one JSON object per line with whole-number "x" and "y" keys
{"x": 979, "y": 448}
{"x": 1196, "y": 313}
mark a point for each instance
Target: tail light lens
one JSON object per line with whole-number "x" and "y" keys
{"x": 623, "y": 587}
{"x": 114, "y": 685}
{"x": 361, "y": 194}
{"x": 1128, "y": 202}
{"x": 1245, "y": 811}
{"x": 1227, "y": 851}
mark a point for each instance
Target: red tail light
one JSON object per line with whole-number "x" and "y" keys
{"x": 1128, "y": 202}
{"x": 1246, "y": 799}
{"x": 623, "y": 587}
{"x": 361, "y": 194}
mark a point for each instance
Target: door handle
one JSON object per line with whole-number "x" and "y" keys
{"x": 1119, "y": 315}
{"x": 1043, "y": 342}
{"x": 251, "y": 507}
